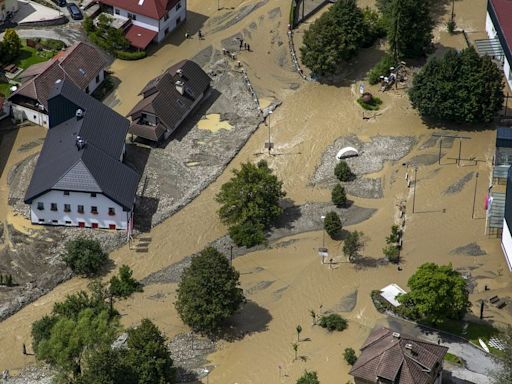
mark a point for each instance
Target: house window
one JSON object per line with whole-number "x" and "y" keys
{"x": 111, "y": 226}
{"x": 41, "y": 220}
{"x": 66, "y": 193}
{"x": 94, "y": 225}
{"x": 93, "y": 194}
{"x": 55, "y": 221}
{"x": 111, "y": 211}
{"x": 178, "y": 6}
{"x": 54, "y": 207}
{"x": 40, "y": 206}
{"x": 94, "y": 210}
{"x": 117, "y": 11}
{"x": 68, "y": 222}
{"x": 166, "y": 17}
{"x": 81, "y": 224}
{"x": 87, "y": 89}
{"x": 178, "y": 21}
{"x": 166, "y": 31}
{"x": 67, "y": 208}
{"x": 97, "y": 78}
{"x": 132, "y": 16}
{"x": 80, "y": 209}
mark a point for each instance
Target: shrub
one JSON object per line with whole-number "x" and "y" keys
{"x": 124, "y": 284}
{"x": 333, "y": 322}
{"x": 343, "y": 172}
{"x": 352, "y": 245}
{"x": 380, "y": 69}
{"x": 339, "y": 196}
{"x": 350, "y": 356}
{"x": 372, "y": 105}
{"x": 52, "y": 44}
{"x": 332, "y": 224}
{"x": 209, "y": 292}
{"x": 451, "y": 25}
{"x": 88, "y": 25}
{"x": 84, "y": 256}
{"x": 374, "y": 27}
{"x": 392, "y": 253}
{"x": 309, "y": 377}
{"x": 394, "y": 237}
{"x": 130, "y": 55}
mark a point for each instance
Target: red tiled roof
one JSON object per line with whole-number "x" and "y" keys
{"x": 155, "y": 9}
{"x": 503, "y": 10}
{"x": 140, "y": 37}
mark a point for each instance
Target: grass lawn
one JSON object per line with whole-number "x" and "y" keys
{"x": 453, "y": 359}
{"x": 4, "y": 89}
{"x": 29, "y": 56}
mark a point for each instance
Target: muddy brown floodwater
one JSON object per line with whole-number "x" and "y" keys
{"x": 283, "y": 283}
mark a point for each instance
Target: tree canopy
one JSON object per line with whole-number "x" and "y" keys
{"x": 437, "y": 292}
{"x": 409, "y": 26}
{"x": 84, "y": 256}
{"x": 460, "y": 87}
{"x": 332, "y": 224}
{"x": 334, "y": 37}
{"x": 352, "y": 245}
{"x": 10, "y": 47}
{"x": 309, "y": 377}
{"x": 209, "y": 292}
{"x": 250, "y": 202}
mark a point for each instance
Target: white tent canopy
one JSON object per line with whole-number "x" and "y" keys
{"x": 347, "y": 152}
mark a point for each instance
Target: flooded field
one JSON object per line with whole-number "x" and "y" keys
{"x": 287, "y": 280}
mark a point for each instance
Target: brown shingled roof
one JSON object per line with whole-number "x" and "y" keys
{"x": 80, "y": 63}
{"x": 398, "y": 358}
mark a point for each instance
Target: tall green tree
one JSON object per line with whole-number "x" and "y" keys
{"x": 250, "y": 202}
{"x": 409, "y": 26}
{"x": 437, "y": 292}
{"x": 11, "y": 46}
{"x": 504, "y": 373}
{"x": 335, "y": 37}
{"x": 84, "y": 256}
{"x": 209, "y": 292}
{"x": 460, "y": 87}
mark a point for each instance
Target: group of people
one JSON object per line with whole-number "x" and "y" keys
{"x": 200, "y": 35}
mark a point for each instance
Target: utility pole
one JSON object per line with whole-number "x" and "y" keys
{"x": 440, "y": 144}
{"x": 218, "y": 5}
{"x": 474, "y": 197}
{"x": 414, "y": 192}
{"x": 269, "y": 144}
{"x": 460, "y": 149}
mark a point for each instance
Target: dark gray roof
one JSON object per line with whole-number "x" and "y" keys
{"x": 94, "y": 168}
{"x": 162, "y": 99}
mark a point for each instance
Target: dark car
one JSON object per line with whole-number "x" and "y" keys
{"x": 75, "y": 12}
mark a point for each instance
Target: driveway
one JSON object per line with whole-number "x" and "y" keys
{"x": 478, "y": 363}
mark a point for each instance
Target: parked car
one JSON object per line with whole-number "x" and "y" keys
{"x": 60, "y": 3}
{"x": 75, "y": 12}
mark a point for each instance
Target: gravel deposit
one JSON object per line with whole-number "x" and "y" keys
{"x": 459, "y": 184}
{"x": 189, "y": 352}
{"x": 471, "y": 249}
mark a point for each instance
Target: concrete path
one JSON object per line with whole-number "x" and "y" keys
{"x": 30, "y": 11}
{"x": 68, "y": 33}
{"x": 478, "y": 363}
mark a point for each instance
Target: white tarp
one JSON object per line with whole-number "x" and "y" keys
{"x": 390, "y": 293}
{"x": 347, "y": 152}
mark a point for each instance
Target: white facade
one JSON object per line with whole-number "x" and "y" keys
{"x": 506, "y": 244}
{"x": 109, "y": 214}
{"x": 95, "y": 83}
{"x": 165, "y": 25}
{"x": 23, "y": 113}
{"x": 491, "y": 32}
{"x": 7, "y": 7}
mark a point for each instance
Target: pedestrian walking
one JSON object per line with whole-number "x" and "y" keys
{"x": 248, "y": 48}
{"x": 200, "y": 34}
{"x": 241, "y": 43}
{"x": 187, "y": 35}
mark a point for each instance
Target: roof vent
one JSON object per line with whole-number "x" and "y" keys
{"x": 396, "y": 335}
{"x": 80, "y": 143}
{"x": 82, "y": 71}
{"x": 79, "y": 114}
{"x": 408, "y": 346}
{"x": 58, "y": 81}
{"x": 179, "y": 86}
{"x": 179, "y": 72}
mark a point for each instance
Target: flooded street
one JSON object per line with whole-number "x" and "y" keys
{"x": 287, "y": 280}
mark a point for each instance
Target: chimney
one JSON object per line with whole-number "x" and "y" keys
{"x": 179, "y": 86}
{"x": 180, "y": 72}
{"x": 408, "y": 346}
{"x": 396, "y": 335}
{"x": 79, "y": 114}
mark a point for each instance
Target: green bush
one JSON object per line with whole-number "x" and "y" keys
{"x": 350, "y": 356}
{"x": 84, "y": 256}
{"x": 52, "y": 44}
{"x": 124, "y": 284}
{"x": 333, "y": 322}
{"x": 373, "y": 105}
{"x": 309, "y": 377}
{"x": 343, "y": 172}
{"x": 332, "y": 224}
{"x": 451, "y": 25}
{"x": 392, "y": 253}
{"x": 380, "y": 69}
{"x": 339, "y": 196}
{"x": 374, "y": 27}
{"x": 130, "y": 55}
{"x": 88, "y": 25}
{"x": 352, "y": 245}
{"x": 394, "y": 237}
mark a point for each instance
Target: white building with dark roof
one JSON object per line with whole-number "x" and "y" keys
{"x": 80, "y": 178}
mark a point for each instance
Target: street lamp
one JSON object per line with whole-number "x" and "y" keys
{"x": 323, "y": 252}
{"x": 269, "y": 144}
